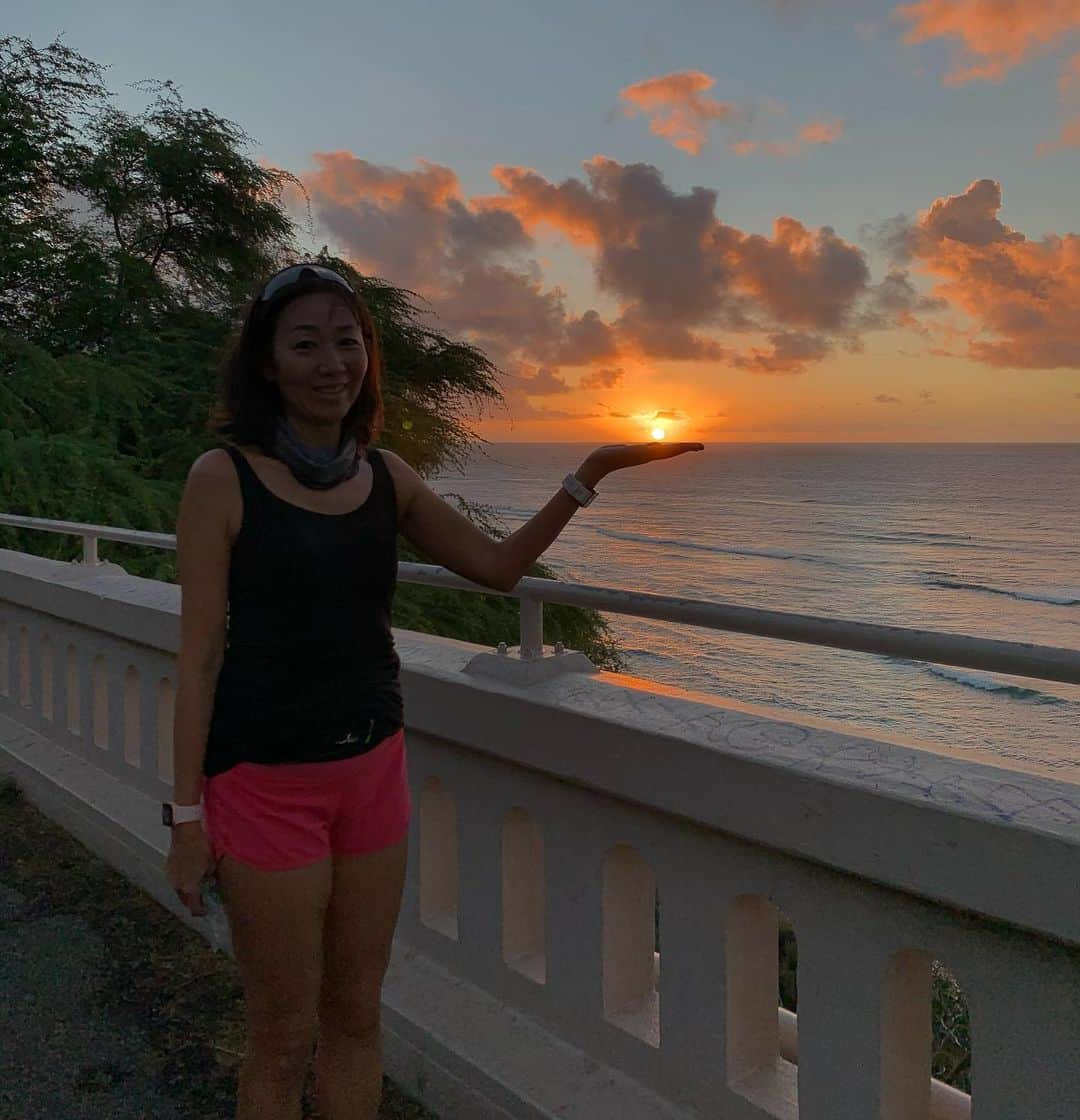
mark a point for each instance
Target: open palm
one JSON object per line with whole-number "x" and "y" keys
{"x": 615, "y": 456}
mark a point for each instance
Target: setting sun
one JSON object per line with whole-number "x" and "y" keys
{"x": 658, "y": 433}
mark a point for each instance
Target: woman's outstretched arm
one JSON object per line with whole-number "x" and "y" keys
{"x": 453, "y": 541}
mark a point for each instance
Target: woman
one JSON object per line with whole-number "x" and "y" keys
{"x": 290, "y": 778}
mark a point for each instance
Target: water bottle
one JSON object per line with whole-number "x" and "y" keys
{"x": 217, "y": 921}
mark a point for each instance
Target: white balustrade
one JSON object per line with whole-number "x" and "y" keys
{"x": 549, "y": 818}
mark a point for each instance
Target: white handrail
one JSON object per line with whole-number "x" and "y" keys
{"x": 1022, "y": 659}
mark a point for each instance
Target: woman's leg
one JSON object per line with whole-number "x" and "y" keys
{"x": 276, "y": 919}
{"x": 364, "y": 902}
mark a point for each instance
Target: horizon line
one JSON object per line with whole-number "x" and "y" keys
{"x": 813, "y": 443}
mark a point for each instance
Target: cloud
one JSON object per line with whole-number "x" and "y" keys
{"x": 602, "y": 378}
{"x": 822, "y": 132}
{"x": 679, "y": 272}
{"x": 472, "y": 263}
{"x": 521, "y": 388}
{"x": 543, "y": 383}
{"x": 687, "y": 286}
{"x": 993, "y": 36}
{"x": 884, "y": 398}
{"x": 1021, "y": 297}
{"x": 790, "y": 352}
{"x": 969, "y": 218}
{"x": 553, "y": 414}
{"x": 927, "y": 397}
{"x": 679, "y": 110}
{"x": 814, "y": 133}
{"x": 677, "y": 107}
{"x": 895, "y": 301}
{"x": 588, "y": 339}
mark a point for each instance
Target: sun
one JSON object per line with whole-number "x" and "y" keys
{"x": 658, "y": 433}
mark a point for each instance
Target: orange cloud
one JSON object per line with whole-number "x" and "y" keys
{"x": 790, "y": 352}
{"x": 473, "y": 264}
{"x": 1022, "y": 296}
{"x": 677, "y": 107}
{"x": 602, "y": 378}
{"x": 679, "y": 112}
{"x": 995, "y": 36}
{"x": 678, "y": 271}
{"x": 688, "y": 286}
{"x": 822, "y": 132}
{"x": 816, "y": 132}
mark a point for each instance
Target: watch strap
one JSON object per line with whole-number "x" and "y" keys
{"x": 578, "y": 490}
{"x": 173, "y": 814}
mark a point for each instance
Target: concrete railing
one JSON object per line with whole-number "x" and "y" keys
{"x": 552, "y": 813}
{"x": 1017, "y": 658}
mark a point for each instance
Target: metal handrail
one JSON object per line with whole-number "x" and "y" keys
{"x": 1021, "y": 659}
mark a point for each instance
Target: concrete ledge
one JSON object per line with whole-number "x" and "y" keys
{"x": 461, "y": 1052}
{"x": 103, "y": 597}
{"x": 959, "y": 831}
{"x": 972, "y": 836}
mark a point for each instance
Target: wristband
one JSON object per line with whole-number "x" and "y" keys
{"x": 173, "y": 814}
{"x": 578, "y": 490}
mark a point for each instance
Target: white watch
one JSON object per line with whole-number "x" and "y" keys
{"x": 173, "y": 814}
{"x": 578, "y": 490}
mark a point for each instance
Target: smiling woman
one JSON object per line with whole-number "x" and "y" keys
{"x": 289, "y": 711}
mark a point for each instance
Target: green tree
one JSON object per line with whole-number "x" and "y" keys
{"x": 192, "y": 218}
{"x": 43, "y": 253}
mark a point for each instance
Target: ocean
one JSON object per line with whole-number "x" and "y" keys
{"x": 971, "y": 539}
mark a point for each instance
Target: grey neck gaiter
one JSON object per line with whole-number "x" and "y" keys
{"x": 315, "y": 467}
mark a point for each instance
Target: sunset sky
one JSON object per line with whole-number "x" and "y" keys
{"x": 749, "y": 220}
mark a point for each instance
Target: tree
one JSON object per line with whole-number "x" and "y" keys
{"x": 192, "y": 218}
{"x": 43, "y": 93}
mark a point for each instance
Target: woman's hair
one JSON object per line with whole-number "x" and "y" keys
{"x": 249, "y": 404}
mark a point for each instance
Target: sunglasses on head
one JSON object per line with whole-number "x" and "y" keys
{"x": 295, "y": 273}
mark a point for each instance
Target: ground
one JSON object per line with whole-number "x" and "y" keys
{"x": 111, "y": 1006}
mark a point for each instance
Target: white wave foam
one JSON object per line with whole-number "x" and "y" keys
{"x": 984, "y": 682}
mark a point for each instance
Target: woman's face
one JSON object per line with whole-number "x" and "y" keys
{"x": 319, "y": 360}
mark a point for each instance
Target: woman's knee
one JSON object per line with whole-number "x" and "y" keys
{"x": 354, "y": 1015}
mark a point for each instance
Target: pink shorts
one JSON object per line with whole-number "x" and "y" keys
{"x": 277, "y": 817}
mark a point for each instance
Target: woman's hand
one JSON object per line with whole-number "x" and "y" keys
{"x": 190, "y": 859}
{"x": 615, "y": 456}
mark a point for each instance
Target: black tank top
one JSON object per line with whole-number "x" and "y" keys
{"x": 310, "y": 671}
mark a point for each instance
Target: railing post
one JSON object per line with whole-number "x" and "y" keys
{"x": 89, "y": 549}
{"x": 532, "y": 627}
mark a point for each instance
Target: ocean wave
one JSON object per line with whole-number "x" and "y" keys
{"x": 986, "y": 683}
{"x": 927, "y": 540}
{"x": 725, "y": 550}
{"x": 1060, "y": 598}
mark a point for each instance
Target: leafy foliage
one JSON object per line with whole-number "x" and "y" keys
{"x": 952, "y": 1031}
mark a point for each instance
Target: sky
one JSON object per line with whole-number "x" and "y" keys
{"x": 758, "y": 220}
